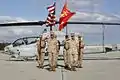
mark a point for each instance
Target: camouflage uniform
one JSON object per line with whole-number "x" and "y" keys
{"x": 41, "y": 51}
{"x": 80, "y": 51}
{"x": 53, "y": 51}
{"x": 66, "y": 51}
{"x": 73, "y": 52}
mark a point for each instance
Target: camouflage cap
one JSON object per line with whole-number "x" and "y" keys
{"x": 79, "y": 36}
{"x": 72, "y": 34}
{"x": 55, "y": 36}
{"x": 51, "y": 32}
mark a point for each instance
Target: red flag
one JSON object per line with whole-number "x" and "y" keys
{"x": 65, "y": 16}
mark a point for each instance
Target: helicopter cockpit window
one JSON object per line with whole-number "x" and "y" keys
{"x": 31, "y": 40}
{"x": 18, "y": 43}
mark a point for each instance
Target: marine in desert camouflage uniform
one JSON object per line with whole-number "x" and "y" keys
{"x": 52, "y": 51}
{"x": 41, "y": 51}
{"x": 80, "y": 51}
{"x": 66, "y": 52}
{"x": 73, "y": 52}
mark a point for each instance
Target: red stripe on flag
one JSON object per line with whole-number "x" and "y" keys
{"x": 52, "y": 10}
{"x": 51, "y": 6}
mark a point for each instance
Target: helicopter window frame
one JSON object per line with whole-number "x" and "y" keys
{"x": 15, "y": 44}
{"x": 31, "y": 41}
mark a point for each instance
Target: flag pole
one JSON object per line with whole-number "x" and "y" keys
{"x": 55, "y": 14}
{"x": 50, "y": 28}
{"x": 66, "y": 24}
{"x": 66, "y": 30}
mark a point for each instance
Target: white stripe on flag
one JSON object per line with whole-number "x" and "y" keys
{"x": 51, "y": 8}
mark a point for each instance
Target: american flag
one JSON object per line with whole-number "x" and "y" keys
{"x": 51, "y": 19}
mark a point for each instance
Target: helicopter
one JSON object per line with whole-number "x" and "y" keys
{"x": 29, "y": 50}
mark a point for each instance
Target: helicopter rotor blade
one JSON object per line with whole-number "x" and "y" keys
{"x": 43, "y": 22}
{"x": 22, "y": 24}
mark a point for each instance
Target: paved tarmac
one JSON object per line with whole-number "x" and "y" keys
{"x": 95, "y": 67}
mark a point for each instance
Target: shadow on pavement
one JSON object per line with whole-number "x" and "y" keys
{"x": 48, "y": 68}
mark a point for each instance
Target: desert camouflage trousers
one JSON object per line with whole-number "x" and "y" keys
{"x": 66, "y": 57}
{"x": 73, "y": 60}
{"x": 80, "y": 57}
{"x": 70, "y": 59}
{"x": 52, "y": 59}
{"x": 41, "y": 55}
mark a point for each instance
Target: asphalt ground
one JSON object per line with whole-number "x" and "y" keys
{"x": 104, "y": 66}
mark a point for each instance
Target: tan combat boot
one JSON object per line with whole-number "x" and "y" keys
{"x": 53, "y": 69}
{"x": 41, "y": 66}
{"x": 73, "y": 68}
{"x": 79, "y": 66}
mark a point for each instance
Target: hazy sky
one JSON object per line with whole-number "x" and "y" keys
{"x": 86, "y": 10}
